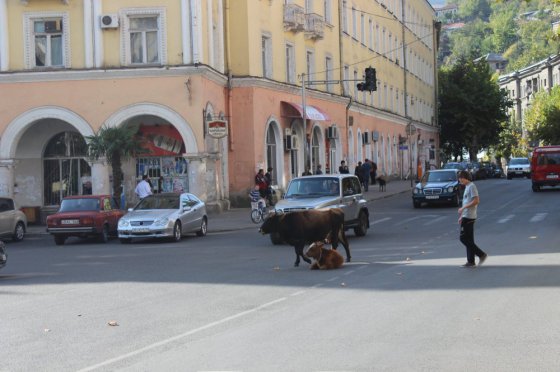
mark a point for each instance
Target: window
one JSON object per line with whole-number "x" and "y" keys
{"x": 354, "y": 23}
{"x": 346, "y": 78}
{"x": 266, "y": 54}
{"x": 344, "y": 17}
{"x": 290, "y": 64}
{"x": 271, "y": 153}
{"x": 355, "y": 85}
{"x": 363, "y": 29}
{"x": 327, "y": 10}
{"x": 310, "y": 64}
{"x": 47, "y": 44}
{"x": 143, "y": 37}
{"x": 329, "y": 72}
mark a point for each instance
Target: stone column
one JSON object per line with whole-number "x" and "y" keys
{"x": 100, "y": 177}
{"x": 7, "y": 178}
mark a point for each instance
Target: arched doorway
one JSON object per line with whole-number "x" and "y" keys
{"x": 316, "y": 158}
{"x": 65, "y": 169}
{"x": 271, "y": 153}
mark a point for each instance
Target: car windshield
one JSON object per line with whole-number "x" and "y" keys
{"x": 159, "y": 202}
{"x": 548, "y": 159}
{"x": 313, "y": 187}
{"x": 519, "y": 161}
{"x": 73, "y": 205}
{"x": 440, "y": 177}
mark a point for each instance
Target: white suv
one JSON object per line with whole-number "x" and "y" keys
{"x": 327, "y": 191}
{"x": 518, "y": 167}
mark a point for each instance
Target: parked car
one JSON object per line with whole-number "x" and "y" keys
{"x": 13, "y": 223}
{"x": 454, "y": 165}
{"x": 167, "y": 215}
{"x": 496, "y": 171}
{"x": 438, "y": 186}
{"x": 3, "y": 254}
{"x": 327, "y": 191}
{"x": 85, "y": 216}
{"x": 518, "y": 167}
{"x": 545, "y": 167}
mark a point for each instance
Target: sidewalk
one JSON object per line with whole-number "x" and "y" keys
{"x": 240, "y": 218}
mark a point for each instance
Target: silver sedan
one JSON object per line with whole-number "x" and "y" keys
{"x": 166, "y": 215}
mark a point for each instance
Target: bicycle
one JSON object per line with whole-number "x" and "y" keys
{"x": 258, "y": 211}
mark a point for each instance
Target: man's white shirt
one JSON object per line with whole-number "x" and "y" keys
{"x": 143, "y": 189}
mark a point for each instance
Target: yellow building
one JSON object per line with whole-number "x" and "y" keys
{"x": 272, "y": 45}
{"x": 170, "y": 68}
{"x": 155, "y": 65}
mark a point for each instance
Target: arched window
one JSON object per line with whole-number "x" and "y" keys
{"x": 65, "y": 169}
{"x": 315, "y": 149}
{"x": 271, "y": 153}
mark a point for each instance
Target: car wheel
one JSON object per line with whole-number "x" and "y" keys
{"x": 125, "y": 240}
{"x": 509, "y": 177}
{"x": 59, "y": 239}
{"x": 19, "y": 232}
{"x": 104, "y": 235}
{"x": 203, "y": 227}
{"x": 536, "y": 188}
{"x": 362, "y": 227}
{"x": 276, "y": 239}
{"x": 416, "y": 204}
{"x": 177, "y": 232}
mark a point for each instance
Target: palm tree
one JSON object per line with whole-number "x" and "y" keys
{"x": 116, "y": 144}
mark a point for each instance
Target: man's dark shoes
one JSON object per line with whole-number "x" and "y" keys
{"x": 482, "y": 259}
{"x": 469, "y": 265}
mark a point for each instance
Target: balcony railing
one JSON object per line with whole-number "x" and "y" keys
{"x": 294, "y": 18}
{"x": 314, "y": 26}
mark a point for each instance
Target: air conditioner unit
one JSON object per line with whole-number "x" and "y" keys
{"x": 332, "y": 133}
{"x": 287, "y": 143}
{"x": 109, "y": 21}
{"x": 365, "y": 138}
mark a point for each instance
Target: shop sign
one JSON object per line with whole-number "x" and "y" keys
{"x": 217, "y": 128}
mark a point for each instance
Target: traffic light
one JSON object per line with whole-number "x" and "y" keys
{"x": 370, "y": 84}
{"x": 371, "y": 79}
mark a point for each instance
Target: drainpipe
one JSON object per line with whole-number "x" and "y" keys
{"x": 4, "y": 44}
{"x": 229, "y": 105}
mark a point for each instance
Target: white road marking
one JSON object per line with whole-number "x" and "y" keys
{"x": 539, "y": 217}
{"x": 349, "y": 272}
{"x": 381, "y": 220}
{"x": 506, "y": 218}
{"x": 297, "y": 293}
{"x": 332, "y": 279}
{"x": 182, "y": 335}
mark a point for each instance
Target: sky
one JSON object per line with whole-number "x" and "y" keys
{"x": 437, "y": 2}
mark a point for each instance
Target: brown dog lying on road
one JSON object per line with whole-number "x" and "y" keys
{"x": 325, "y": 259}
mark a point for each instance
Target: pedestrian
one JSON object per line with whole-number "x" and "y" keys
{"x": 366, "y": 168}
{"x": 358, "y": 172}
{"x": 260, "y": 180}
{"x": 307, "y": 172}
{"x": 143, "y": 188}
{"x": 319, "y": 169}
{"x": 373, "y": 172}
{"x": 467, "y": 218}
{"x": 343, "y": 169}
{"x": 268, "y": 177}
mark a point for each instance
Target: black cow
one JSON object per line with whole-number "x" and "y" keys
{"x": 305, "y": 227}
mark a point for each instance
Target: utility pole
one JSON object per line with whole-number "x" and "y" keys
{"x": 304, "y": 117}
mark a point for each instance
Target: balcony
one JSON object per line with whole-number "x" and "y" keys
{"x": 314, "y": 26}
{"x": 294, "y": 18}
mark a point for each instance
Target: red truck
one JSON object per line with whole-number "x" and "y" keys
{"x": 545, "y": 167}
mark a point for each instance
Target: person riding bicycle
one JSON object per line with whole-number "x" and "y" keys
{"x": 256, "y": 198}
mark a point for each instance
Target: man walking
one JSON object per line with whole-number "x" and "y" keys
{"x": 467, "y": 218}
{"x": 366, "y": 168}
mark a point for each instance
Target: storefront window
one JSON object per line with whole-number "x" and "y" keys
{"x": 167, "y": 173}
{"x": 315, "y": 157}
{"x": 66, "y": 171}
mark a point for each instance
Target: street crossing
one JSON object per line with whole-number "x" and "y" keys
{"x": 431, "y": 219}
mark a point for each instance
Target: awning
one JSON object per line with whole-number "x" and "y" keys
{"x": 311, "y": 112}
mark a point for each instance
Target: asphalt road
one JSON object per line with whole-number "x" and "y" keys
{"x": 234, "y": 302}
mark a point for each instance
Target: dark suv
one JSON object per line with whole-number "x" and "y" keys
{"x": 328, "y": 191}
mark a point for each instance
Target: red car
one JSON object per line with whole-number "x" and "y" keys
{"x": 83, "y": 216}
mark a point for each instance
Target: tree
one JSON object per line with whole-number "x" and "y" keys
{"x": 472, "y": 107}
{"x": 116, "y": 144}
{"x": 542, "y": 119}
